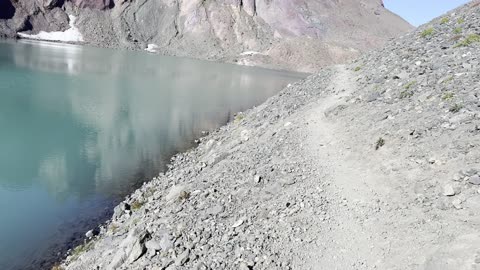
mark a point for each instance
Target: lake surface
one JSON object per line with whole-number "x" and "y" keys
{"x": 82, "y": 127}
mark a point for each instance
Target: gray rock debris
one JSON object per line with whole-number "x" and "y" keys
{"x": 275, "y": 225}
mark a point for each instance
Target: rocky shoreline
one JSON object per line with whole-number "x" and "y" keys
{"x": 373, "y": 165}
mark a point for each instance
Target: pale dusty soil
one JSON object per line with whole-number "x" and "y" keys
{"x": 373, "y": 224}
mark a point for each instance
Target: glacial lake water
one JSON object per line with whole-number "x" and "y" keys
{"x": 81, "y": 127}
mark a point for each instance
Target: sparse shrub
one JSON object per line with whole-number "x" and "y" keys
{"x": 447, "y": 96}
{"x": 406, "y": 94}
{"x": 410, "y": 84}
{"x": 456, "y": 108}
{"x": 444, "y": 20}
{"x": 136, "y": 205}
{"x": 57, "y": 267}
{"x": 427, "y": 32}
{"x": 460, "y": 20}
{"x": 380, "y": 142}
{"x": 113, "y": 227}
{"x": 358, "y": 68}
{"x": 470, "y": 39}
{"x": 81, "y": 249}
{"x": 457, "y": 30}
{"x": 447, "y": 80}
{"x": 239, "y": 117}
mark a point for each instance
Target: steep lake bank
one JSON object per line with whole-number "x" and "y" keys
{"x": 83, "y": 127}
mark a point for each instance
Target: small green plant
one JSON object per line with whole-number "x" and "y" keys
{"x": 358, "y": 68}
{"x": 136, "y": 205}
{"x": 81, "y": 249}
{"x": 380, "y": 142}
{"x": 427, "y": 32}
{"x": 113, "y": 227}
{"x": 456, "y": 108}
{"x": 470, "y": 39}
{"x": 406, "y": 94}
{"x": 410, "y": 84}
{"x": 239, "y": 117}
{"x": 447, "y": 80}
{"x": 57, "y": 267}
{"x": 444, "y": 20}
{"x": 457, "y": 30}
{"x": 460, "y": 20}
{"x": 447, "y": 96}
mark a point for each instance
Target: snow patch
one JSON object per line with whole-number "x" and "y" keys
{"x": 250, "y": 53}
{"x": 152, "y": 48}
{"x": 70, "y": 35}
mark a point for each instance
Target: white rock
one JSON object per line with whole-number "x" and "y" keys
{"x": 237, "y": 223}
{"x": 174, "y": 193}
{"x": 448, "y": 190}
{"x": 457, "y": 177}
{"x": 245, "y": 135}
{"x": 457, "y": 203}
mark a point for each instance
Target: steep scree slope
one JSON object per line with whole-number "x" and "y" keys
{"x": 374, "y": 165}
{"x": 295, "y": 34}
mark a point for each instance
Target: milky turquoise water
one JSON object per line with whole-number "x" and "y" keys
{"x": 82, "y": 127}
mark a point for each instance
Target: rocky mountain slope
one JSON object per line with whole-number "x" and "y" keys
{"x": 299, "y": 35}
{"x": 373, "y": 165}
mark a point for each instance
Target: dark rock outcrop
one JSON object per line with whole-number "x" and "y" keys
{"x": 7, "y": 10}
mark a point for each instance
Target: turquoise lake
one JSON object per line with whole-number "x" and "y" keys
{"x": 82, "y": 127}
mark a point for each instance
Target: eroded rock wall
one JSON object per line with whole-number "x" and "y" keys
{"x": 298, "y": 35}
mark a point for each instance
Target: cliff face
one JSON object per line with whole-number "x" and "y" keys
{"x": 256, "y": 32}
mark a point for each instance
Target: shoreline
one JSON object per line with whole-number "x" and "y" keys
{"x": 109, "y": 216}
{"x": 134, "y": 203}
{"x": 226, "y": 61}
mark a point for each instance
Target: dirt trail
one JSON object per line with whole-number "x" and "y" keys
{"x": 372, "y": 224}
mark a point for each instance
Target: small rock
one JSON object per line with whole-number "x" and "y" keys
{"x": 287, "y": 181}
{"x": 174, "y": 193}
{"x": 237, "y": 223}
{"x": 474, "y": 180}
{"x": 182, "y": 258}
{"x": 448, "y": 190}
{"x": 166, "y": 242}
{"x": 153, "y": 245}
{"x": 215, "y": 210}
{"x": 243, "y": 266}
{"x": 471, "y": 172}
{"x": 457, "y": 203}
{"x": 257, "y": 178}
{"x": 89, "y": 234}
{"x": 457, "y": 177}
{"x": 245, "y": 135}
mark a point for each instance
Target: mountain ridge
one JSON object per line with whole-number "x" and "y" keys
{"x": 250, "y": 32}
